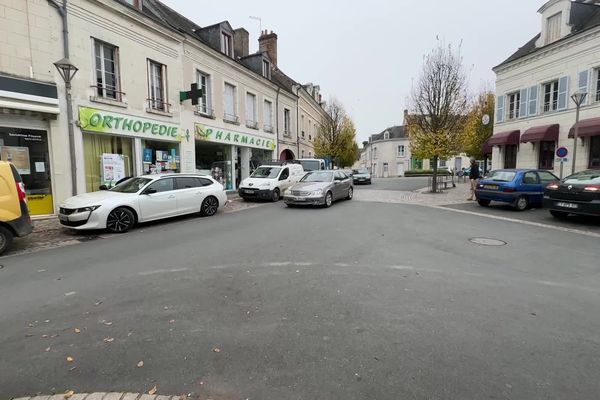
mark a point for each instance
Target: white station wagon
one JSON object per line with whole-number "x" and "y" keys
{"x": 142, "y": 199}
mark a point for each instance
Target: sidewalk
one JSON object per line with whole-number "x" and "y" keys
{"x": 456, "y": 195}
{"x": 103, "y": 396}
{"x": 49, "y": 234}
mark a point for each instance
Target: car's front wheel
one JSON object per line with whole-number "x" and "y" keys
{"x": 350, "y": 193}
{"x": 521, "y": 203}
{"x": 484, "y": 203}
{"x": 210, "y": 206}
{"x": 6, "y": 238}
{"x": 328, "y": 199}
{"x": 120, "y": 220}
{"x": 275, "y": 196}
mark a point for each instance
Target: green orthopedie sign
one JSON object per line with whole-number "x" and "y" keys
{"x": 94, "y": 120}
{"x": 211, "y": 134}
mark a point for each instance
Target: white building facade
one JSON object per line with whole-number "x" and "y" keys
{"x": 387, "y": 154}
{"x": 535, "y": 113}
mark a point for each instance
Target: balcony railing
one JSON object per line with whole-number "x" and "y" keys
{"x": 232, "y": 119}
{"x": 268, "y": 128}
{"x": 251, "y": 124}
{"x": 158, "y": 105}
{"x": 205, "y": 112}
{"x": 108, "y": 92}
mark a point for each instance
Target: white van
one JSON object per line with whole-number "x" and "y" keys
{"x": 312, "y": 164}
{"x": 270, "y": 181}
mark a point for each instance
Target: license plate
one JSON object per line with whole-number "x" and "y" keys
{"x": 249, "y": 191}
{"x": 491, "y": 187}
{"x": 566, "y": 205}
{"x": 63, "y": 217}
{"x": 296, "y": 198}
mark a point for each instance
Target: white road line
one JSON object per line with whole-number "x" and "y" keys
{"x": 519, "y": 221}
{"x": 163, "y": 271}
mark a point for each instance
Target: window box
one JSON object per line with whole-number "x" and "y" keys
{"x": 252, "y": 124}
{"x": 109, "y": 101}
{"x": 268, "y": 128}
{"x": 231, "y": 119}
{"x": 205, "y": 112}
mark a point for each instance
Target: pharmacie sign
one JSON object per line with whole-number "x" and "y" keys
{"x": 94, "y": 120}
{"x": 211, "y": 134}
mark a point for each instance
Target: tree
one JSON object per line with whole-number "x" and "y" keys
{"x": 476, "y": 132}
{"x": 438, "y": 104}
{"x": 336, "y": 136}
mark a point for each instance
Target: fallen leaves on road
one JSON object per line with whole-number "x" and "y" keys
{"x": 70, "y": 359}
{"x": 108, "y": 323}
{"x": 152, "y": 391}
{"x": 44, "y": 336}
{"x": 69, "y": 393}
{"x": 140, "y": 364}
{"x": 70, "y": 294}
{"x": 109, "y": 340}
{"x": 72, "y": 368}
{"x": 97, "y": 303}
{"x": 47, "y": 349}
{"x": 217, "y": 350}
{"x": 77, "y": 330}
{"x": 172, "y": 321}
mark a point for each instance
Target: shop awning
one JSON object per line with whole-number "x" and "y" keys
{"x": 487, "y": 148}
{"x": 587, "y": 127}
{"x": 546, "y": 133}
{"x": 504, "y": 138}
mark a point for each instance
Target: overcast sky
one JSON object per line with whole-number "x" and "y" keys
{"x": 366, "y": 53}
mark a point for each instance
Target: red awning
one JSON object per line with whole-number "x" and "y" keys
{"x": 546, "y": 133}
{"x": 504, "y": 138}
{"x": 587, "y": 127}
{"x": 487, "y": 148}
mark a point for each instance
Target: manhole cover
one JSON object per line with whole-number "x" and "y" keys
{"x": 487, "y": 242}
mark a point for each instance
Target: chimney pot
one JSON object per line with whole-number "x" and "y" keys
{"x": 267, "y": 42}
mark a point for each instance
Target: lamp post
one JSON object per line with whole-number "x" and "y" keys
{"x": 67, "y": 71}
{"x": 578, "y": 98}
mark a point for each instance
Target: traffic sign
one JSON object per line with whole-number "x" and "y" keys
{"x": 485, "y": 119}
{"x": 562, "y": 152}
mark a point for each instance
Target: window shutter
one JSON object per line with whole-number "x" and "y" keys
{"x": 523, "y": 105}
{"x": 563, "y": 93}
{"x": 584, "y": 80}
{"x": 533, "y": 101}
{"x": 500, "y": 109}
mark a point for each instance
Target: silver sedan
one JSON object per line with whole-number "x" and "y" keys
{"x": 320, "y": 188}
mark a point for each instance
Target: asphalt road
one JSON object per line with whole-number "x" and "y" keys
{"x": 403, "y": 184}
{"x": 359, "y": 301}
{"x": 539, "y": 215}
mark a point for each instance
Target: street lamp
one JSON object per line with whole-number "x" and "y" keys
{"x": 67, "y": 71}
{"x": 578, "y": 98}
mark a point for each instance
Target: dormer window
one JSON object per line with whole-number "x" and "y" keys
{"x": 553, "y": 28}
{"x": 226, "y": 44}
{"x": 386, "y": 135}
{"x": 266, "y": 69}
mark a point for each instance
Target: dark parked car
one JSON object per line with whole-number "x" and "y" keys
{"x": 519, "y": 187}
{"x": 576, "y": 194}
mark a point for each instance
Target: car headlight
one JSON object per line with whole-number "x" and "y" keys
{"x": 265, "y": 185}
{"x": 317, "y": 193}
{"x": 87, "y": 209}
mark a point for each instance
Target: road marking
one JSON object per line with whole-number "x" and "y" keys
{"x": 70, "y": 294}
{"x": 163, "y": 271}
{"x": 519, "y": 221}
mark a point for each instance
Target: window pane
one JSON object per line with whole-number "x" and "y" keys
{"x": 187, "y": 183}
{"x": 546, "y": 177}
{"x": 163, "y": 185}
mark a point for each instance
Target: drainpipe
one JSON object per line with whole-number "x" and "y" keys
{"x": 277, "y": 120}
{"x": 62, "y": 11}
{"x": 298, "y": 120}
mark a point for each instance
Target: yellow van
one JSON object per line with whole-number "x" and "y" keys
{"x": 14, "y": 214}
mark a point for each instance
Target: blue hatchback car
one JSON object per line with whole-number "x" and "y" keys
{"x": 519, "y": 187}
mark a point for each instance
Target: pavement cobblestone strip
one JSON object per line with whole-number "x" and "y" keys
{"x": 456, "y": 195}
{"x": 103, "y": 396}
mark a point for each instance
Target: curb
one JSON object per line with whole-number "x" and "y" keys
{"x": 102, "y": 396}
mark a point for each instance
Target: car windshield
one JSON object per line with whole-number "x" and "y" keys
{"x": 266, "y": 172}
{"x": 310, "y": 165}
{"x": 132, "y": 185}
{"x": 584, "y": 178}
{"x": 502, "y": 176}
{"x": 318, "y": 177}
{"x": 360, "y": 171}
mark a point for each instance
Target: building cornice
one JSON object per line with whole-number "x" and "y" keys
{"x": 549, "y": 50}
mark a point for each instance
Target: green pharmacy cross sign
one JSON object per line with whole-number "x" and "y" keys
{"x": 194, "y": 94}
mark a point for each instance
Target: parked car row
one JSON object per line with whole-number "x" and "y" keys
{"x": 522, "y": 188}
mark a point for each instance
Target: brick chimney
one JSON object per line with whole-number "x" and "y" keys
{"x": 268, "y": 42}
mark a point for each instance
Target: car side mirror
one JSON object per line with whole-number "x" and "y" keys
{"x": 149, "y": 191}
{"x": 103, "y": 187}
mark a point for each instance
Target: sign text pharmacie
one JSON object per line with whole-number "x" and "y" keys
{"x": 94, "y": 120}
{"x": 211, "y": 134}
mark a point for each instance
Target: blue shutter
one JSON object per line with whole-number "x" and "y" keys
{"x": 563, "y": 93}
{"x": 523, "y": 105}
{"x": 584, "y": 80}
{"x": 533, "y": 101}
{"x": 500, "y": 109}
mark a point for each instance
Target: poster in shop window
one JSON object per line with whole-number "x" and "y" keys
{"x": 19, "y": 156}
{"x": 113, "y": 167}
